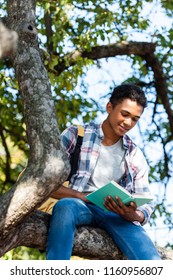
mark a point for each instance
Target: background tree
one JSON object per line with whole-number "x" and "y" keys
{"x": 58, "y": 41}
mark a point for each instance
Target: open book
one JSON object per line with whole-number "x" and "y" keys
{"x": 114, "y": 189}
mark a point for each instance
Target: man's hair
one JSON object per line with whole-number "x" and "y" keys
{"x": 129, "y": 91}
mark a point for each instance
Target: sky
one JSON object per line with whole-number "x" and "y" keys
{"x": 117, "y": 70}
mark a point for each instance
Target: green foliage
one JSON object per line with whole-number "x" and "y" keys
{"x": 12, "y": 131}
{"x": 168, "y": 7}
{"x": 24, "y": 253}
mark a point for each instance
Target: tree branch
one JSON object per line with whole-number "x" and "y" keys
{"x": 8, "y": 156}
{"x": 160, "y": 84}
{"x": 105, "y": 51}
{"x": 92, "y": 243}
{"x": 49, "y": 32}
{"x": 8, "y": 41}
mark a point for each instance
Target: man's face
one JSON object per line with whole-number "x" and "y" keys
{"x": 123, "y": 116}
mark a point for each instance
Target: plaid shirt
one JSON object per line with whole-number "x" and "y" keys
{"x": 135, "y": 179}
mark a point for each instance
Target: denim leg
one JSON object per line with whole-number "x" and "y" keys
{"x": 68, "y": 213}
{"x": 131, "y": 239}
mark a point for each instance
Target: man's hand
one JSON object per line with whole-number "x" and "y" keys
{"x": 129, "y": 213}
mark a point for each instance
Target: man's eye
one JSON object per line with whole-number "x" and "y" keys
{"x": 135, "y": 119}
{"x": 124, "y": 114}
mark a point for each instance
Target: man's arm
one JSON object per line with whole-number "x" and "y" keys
{"x": 68, "y": 192}
{"x": 141, "y": 183}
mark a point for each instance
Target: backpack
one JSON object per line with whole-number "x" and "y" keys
{"x": 47, "y": 206}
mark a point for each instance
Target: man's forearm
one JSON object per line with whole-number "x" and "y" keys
{"x": 67, "y": 192}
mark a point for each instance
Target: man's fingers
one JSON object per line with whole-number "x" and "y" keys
{"x": 115, "y": 206}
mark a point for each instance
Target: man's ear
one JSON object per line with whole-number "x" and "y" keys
{"x": 109, "y": 107}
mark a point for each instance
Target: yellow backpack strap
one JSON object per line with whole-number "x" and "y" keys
{"x": 80, "y": 130}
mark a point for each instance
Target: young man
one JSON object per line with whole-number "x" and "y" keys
{"x": 107, "y": 154}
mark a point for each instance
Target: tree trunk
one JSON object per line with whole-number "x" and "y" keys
{"x": 47, "y": 166}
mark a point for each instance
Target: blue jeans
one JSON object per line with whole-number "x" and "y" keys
{"x": 69, "y": 213}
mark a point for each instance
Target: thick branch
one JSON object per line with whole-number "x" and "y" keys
{"x": 48, "y": 30}
{"x": 92, "y": 243}
{"x": 160, "y": 84}
{"x": 8, "y": 41}
{"x": 106, "y": 51}
{"x": 8, "y": 156}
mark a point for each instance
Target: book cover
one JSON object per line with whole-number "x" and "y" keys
{"x": 114, "y": 189}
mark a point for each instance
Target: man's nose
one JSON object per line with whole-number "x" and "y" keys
{"x": 128, "y": 122}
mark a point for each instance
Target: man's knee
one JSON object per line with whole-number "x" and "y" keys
{"x": 66, "y": 205}
{"x": 66, "y": 212}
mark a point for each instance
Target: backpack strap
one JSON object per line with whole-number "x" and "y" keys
{"x": 80, "y": 130}
{"x": 75, "y": 155}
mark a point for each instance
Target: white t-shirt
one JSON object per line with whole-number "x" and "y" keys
{"x": 110, "y": 166}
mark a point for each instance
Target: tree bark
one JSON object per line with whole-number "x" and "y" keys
{"x": 89, "y": 243}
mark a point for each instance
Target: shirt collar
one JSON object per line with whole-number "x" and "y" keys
{"x": 100, "y": 131}
{"x": 127, "y": 142}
